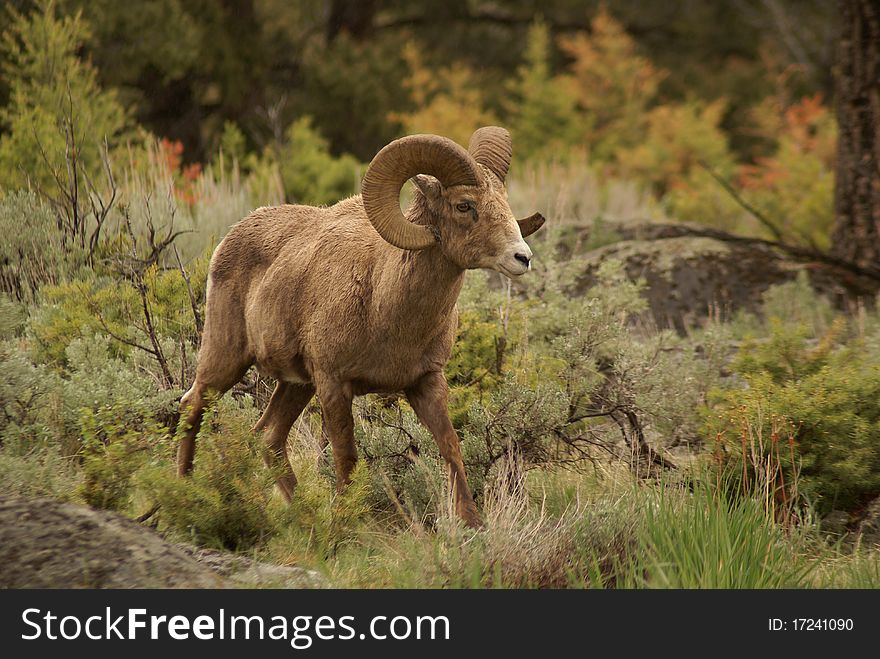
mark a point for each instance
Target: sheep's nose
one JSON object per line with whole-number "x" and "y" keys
{"x": 522, "y": 258}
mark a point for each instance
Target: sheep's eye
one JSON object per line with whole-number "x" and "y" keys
{"x": 463, "y": 207}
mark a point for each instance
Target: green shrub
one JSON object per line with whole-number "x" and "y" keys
{"x": 614, "y": 84}
{"x": 112, "y": 451}
{"x": 105, "y": 306}
{"x": 42, "y": 471}
{"x": 98, "y": 392}
{"x": 13, "y": 316}
{"x": 33, "y": 252}
{"x": 542, "y": 109}
{"x": 27, "y": 393}
{"x": 227, "y": 501}
{"x": 822, "y": 398}
{"x": 52, "y": 92}
{"x": 795, "y": 303}
{"x": 448, "y": 101}
{"x": 319, "y": 521}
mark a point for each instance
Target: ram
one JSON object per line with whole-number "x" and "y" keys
{"x": 359, "y": 297}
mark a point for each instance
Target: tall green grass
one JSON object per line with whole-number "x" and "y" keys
{"x": 708, "y": 540}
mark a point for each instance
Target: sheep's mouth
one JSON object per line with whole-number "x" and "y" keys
{"x": 508, "y": 272}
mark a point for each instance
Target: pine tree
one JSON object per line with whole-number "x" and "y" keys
{"x": 542, "y": 108}
{"x": 57, "y": 109}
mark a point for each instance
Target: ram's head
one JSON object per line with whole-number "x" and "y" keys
{"x": 461, "y": 204}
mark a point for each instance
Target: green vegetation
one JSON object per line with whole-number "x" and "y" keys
{"x": 565, "y": 404}
{"x": 812, "y": 402}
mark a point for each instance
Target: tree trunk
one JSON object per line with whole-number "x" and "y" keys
{"x": 352, "y": 16}
{"x": 857, "y": 191}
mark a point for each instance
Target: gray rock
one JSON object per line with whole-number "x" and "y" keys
{"x": 836, "y": 522}
{"x": 869, "y": 526}
{"x": 248, "y": 572}
{"x": 691, "y": 276}
{"x": 48, "y": 544}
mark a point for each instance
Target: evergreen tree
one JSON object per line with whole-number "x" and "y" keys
{"x": 542, "y": 108}
{"x": 57, "y": 110}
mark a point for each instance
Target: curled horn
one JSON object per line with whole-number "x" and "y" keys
{"x": 531, "y": 224}
{"x": 491, "y": 146}
{"x": 397, "y": 163}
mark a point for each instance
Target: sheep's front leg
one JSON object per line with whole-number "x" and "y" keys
{"x": 429, "y": 401}
{"x": 335, "y": 398}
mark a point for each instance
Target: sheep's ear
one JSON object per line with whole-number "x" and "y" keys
{"x": 531, "y": 224}
{"x": 429, "y": 185}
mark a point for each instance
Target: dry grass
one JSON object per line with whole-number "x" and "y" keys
{"x": 572, "y": 194}
{"x": 203, "y": 208}
{"x": 521, "y": 545}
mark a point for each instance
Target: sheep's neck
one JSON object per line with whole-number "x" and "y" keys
{"x": 421, "y": 287}
{"x": 425, "y": 289}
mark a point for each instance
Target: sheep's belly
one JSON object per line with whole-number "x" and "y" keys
{"x": 388, "y": 376}
{"x": 385, "y": 369}
{"x": 288, "y": 370}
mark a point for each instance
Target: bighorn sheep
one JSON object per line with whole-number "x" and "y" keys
{"x": 358, "y": 297}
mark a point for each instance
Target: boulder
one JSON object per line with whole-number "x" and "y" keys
{"x": 694, "y": 272}
{"x": 869, "y": 525}
{"x": 49, "y": 544}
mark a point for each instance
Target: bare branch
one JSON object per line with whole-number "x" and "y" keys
{"x": 751, "y": 210}
{"x": 660, "y": 231}
{"x": 197, "y": 315}
{"x": 116, "y": 337}
{"x": 141, "y": 287}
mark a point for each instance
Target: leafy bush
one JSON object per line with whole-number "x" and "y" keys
{"x": 794, "y": 186}
{"x": 349, "y": 73}
{"x": 820, "y": 395}
{"x": 449, "y": 101}
{"x": 53, "y": 94}
{"x": 106, "y": 306}
{"x": 542, "y": 112}
{"x": 39, "y": 472}
{"x": 27, "y": 393}
{"x": 613, "y": 83}
{"x": 227, "y": 501}
{"x": 677, "y": 137}
{"x": 13, "y": 316}
{"x": 319, "y": 521}
{"x": 113, "y": 449}
{"x": 42, "y": 406}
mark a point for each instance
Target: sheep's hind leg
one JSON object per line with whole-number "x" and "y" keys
{"x": 192, "y": 408}
{"x": 428, "y": 399}
{"x": 287, "y": 403}
{"x": 194, "y": 402}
